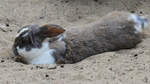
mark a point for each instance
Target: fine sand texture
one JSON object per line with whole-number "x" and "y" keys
{"x": 131, "y": 66}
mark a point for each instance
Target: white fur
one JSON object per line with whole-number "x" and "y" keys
{"x": 44, "y": 55}
{"x": 138, "y": 25}
{"x": 138, "y": 22}
{"x": 25, "y": 34}
{"x": 145, "y": 22}
{"x": 61, "y": 37}
{"x": 23, "y": 30}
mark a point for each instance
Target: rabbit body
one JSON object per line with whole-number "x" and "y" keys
{"x": 115, "y": 31}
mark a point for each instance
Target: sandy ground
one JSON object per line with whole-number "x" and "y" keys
{"x": 120, "y": 67}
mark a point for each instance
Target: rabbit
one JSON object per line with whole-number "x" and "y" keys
{"x": 51, "y": 44}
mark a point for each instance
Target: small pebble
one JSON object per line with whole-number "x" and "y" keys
{"x": 46, "y": 75}
{"x": 62, "y": 66}
{"x": 2, "y": 61}
{"x": 135, "y": 55}
{"x": 7, "y": 25}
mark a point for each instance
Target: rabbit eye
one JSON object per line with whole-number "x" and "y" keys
{"x": 23, "y": 32}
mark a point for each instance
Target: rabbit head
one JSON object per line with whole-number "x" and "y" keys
{"x": 32, "y": 37}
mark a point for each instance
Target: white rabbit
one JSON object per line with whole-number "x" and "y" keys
{"x": 51, "y": 44}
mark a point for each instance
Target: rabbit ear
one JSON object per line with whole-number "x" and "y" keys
{"x": 51, "y": 30}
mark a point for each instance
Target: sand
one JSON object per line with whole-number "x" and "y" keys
{"x": 130, "y": 66}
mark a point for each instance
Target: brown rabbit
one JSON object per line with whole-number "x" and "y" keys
{"x": 52, "y": 44}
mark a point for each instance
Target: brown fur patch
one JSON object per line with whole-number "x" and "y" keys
{"x": 53, "y": 30}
